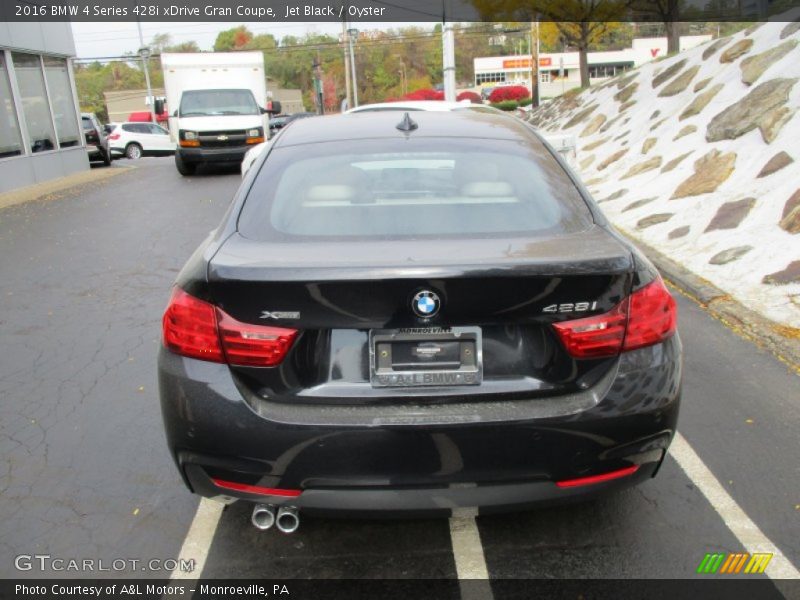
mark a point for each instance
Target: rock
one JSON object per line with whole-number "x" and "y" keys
{"x": 658, "y": 124}
{"x": 750, "y": 30}
{"x": 643, "y": 167}
{"x": 685, "y": 131}
{"x": 700, "y": 102}
{"x": 639, "y": 203}
{"x": 595, "y": 124}
{"x": 615, "y": 196}
{"x": 580, "y": 116}
{"x": 653, "y": 220}
{"x": 729, "y": 255}
{"x": 622, "y": 135}
{"x": 773, "y": 121}
{"x": 655, "y": 115}
{"x": 594, "y": 181}
{"x": 790, "y": 274}
{"x": 709, "y": 173}
{"x": 610, "y": 123}
{"x": 680, "y": 83}
{"x": 595, "y": 144}
{"x": 625, "y": 93}
{"x": 791, "y": 222}
{"x": 752, "y": 111}
{"x": 701, "y": 84}
{"x": 668, "y": 73}
{"x": 715, "y": 45}
{"x": 648, "y": 143}
{"x": 624, "y": 80}
{"x": 776, "y": 163}
{"x": 790, "y": 29}
{"x": 674, "y": 163}
{"x": 627, "y": 105}
{"x": 612, "y": 159}
{"x": 584, "y": 164}
{"x": 679, "y": 232}
{"x": 735, "y": 51}
{"x": 753, "y": 66}
{"x": 730, "y": 214}
{"x": 792, "y": 203}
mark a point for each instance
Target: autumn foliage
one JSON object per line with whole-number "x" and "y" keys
{"x": 471, "y": 96}
{"x": 509, "y": 92}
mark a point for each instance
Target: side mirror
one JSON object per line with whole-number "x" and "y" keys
{"x": 273, "y": 108}
{"x": 175, "y": 113}
{"x": 158, "y": 106}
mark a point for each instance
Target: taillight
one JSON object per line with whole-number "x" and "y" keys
{"x": 197, "y": 329}
{"x": 652, "y": 316}
{"x": 253, "y": 345}
{"x": 114, "y": 136}
{"x": 648, "y": 316}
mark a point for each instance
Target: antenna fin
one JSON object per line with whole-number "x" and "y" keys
{"x": 407, "y": 124}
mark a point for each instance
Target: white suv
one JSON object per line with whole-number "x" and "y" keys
{"x": 135, "y": 140}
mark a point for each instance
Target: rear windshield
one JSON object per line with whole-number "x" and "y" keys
{"x": 203, "y": 103}
{"x": 402, "y": 188}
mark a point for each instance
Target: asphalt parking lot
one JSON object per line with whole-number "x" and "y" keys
{"x": 86, "y": 473}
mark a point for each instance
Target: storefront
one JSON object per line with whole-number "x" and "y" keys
{"x": 40, "y": 132}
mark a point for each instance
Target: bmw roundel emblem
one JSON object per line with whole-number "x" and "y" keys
{"x": 425, "y": 304}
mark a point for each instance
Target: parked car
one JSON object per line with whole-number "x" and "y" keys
{"x": 278, "y": 122}
{"x": 96, "y": 140}
{"x": 415, "y": 312}
{"x": 134, "y": 140}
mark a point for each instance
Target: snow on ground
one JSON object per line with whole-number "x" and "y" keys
{"x": 662, "y": 222}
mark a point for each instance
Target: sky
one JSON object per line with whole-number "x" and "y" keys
{"x": 117, "y": 38}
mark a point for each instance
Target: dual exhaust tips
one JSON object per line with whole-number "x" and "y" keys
{"x": 286, "y": 518}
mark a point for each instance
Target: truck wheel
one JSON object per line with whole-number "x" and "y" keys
{"x": 184, "y": 168}
{"x": 133, "y": 151}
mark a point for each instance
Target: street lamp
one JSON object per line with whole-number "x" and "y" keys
{"x": 353, "y": 33}
{"x": 144, "y": 53}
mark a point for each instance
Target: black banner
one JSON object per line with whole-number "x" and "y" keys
{"x": 734, "y": 588}
{"x": 368, "y": 11}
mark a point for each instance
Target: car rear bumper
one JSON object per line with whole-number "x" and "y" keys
{"x": 494, "y": 456}
{"x": 213, "y": 155}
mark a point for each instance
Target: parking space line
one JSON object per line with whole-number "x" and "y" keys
{"x": 198, "y": 539}
{"x": 745, "y": 530}
{"x": 468, "y": 554}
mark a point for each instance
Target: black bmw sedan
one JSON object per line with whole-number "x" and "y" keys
{"x": 413, "y": 313}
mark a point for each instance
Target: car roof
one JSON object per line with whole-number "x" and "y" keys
{"x": 383, "y": 125}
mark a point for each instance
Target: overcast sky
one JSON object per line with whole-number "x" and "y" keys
{"x": 117, "y": 38}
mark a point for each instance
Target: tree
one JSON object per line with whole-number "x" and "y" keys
{"x": 236, "y": 38}
{"x": 666, "y": 11}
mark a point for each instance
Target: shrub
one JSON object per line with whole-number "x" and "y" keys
{"x": 509, "y": 92}
{"x": 424, "y": 94}
{"x": 471, "y": 96}
{"x": 507, "y": 105}
{"x": 526, "y": 102}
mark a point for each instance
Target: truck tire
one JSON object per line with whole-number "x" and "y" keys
{"x": 184, "y": 168}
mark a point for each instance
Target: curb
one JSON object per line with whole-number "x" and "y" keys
{"x": 47, "y": 190}
{"x": 746, "y": 322}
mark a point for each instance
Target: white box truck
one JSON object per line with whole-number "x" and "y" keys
{"x": 218, "y": 106}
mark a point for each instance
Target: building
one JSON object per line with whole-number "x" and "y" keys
{"x": 40, "y": 133}
{"x": 120, "y": 104}
{"x": 291, "y": 99}
{"x": 560, "y": 71}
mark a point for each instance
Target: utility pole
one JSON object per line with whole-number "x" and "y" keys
{"x": 144, "y": 52}
{"x": 535, "y": 63}
{"x": 448, "y": 60}
{"x": 345, "y": 43}
{"x": 353, "y": 33}
{"x": 318, "y": 85}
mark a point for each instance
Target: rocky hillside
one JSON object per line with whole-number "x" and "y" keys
{"x": 698, "y": 155}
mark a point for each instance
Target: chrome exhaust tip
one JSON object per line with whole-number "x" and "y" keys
{"x": 287, "y": 520}
{"x": 263, "y": 516}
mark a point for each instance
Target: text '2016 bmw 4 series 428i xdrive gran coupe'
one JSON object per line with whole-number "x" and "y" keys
{"x": 411, "y": 313}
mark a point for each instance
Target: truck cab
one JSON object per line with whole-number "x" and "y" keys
{"x": 217, "y": 126}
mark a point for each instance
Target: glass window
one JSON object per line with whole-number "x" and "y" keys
{"x": 10, "y": 138}
{"x": 198, "y": 103}
{"x": 57, "y": 74}
{"x": 30, "y": 80}
{"x": 406, "y": 188}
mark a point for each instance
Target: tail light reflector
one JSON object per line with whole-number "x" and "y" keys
{"x": 197, "y": 329}
{"x": 581, "y": 481}
{"x": 256, "y": 489}
{"x": 114, "y": 136}
{"x": 646, "y": 317}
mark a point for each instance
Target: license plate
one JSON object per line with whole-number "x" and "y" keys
{"x": 426, "y": 356}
